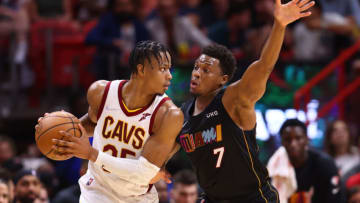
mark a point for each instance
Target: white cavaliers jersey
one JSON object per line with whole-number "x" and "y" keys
{"x": 120, "y": 132}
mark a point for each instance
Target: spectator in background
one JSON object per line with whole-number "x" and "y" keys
{"x": 85, "y": 10}
{"x": 263, "y": 13}
{"x": 176, "y": 32}
{"x": 213, "y": 12}
{"x": 161, "y": 188}
{"x": 8, "y": 159}
{"x": 32, "y": 159}
{"x": 42, "y": 10}
{"x": 261, "y": 23}
{"x": 43, "y": 196}
{"x": 340, "y": 9}
{"x": 314, "y": 37}
{"x": 185, "y": 188}
{"x": 115, "y": 36}
{"x": 72, "y": 193}
{"x": 338, "y": 144}
{"x": 7, "y": 148}
{"x": 4, "y": 192}
{"x": 7, "y": 179}
{"x": 232, "y": 32}
{"x": 353, "y": 195}
{"x": 317, "y": 179}
{"x": 312, "y": 43}
{"x": 27, "y": 186}
{"x": 14, "y": 20}
{"x": 191, "y": 9}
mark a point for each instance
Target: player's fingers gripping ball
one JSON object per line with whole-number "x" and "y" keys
{"x": 48, "y": 128}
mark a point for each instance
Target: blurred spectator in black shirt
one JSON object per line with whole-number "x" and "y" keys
{"x": 316, "y": 174}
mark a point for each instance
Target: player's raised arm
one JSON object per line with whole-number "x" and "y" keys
{"x": 94, "y": 97}
{"x": 247, "y": 91}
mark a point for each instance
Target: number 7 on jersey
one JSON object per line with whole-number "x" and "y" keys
{"x": 219, "y": 151}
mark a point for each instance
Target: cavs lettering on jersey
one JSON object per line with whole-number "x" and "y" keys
{"x": 120, "y": 132}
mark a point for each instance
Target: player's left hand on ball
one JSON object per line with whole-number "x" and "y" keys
{"x": 73, "y": 146}
{"x": 161, "y": 175}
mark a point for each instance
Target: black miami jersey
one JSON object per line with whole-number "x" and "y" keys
{"x": 224, "y": 156}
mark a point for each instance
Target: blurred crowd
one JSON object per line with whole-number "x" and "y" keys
{"x": 54, "y": 43}
{"x": 30, "y": 177}
{"x": 49, "y": 46}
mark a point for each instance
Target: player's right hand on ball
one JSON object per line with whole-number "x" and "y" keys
{"x": 75, "y": 146}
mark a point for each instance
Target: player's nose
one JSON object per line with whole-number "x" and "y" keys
{"x": 169, "y": 76}
{"x": 196, "y": 73}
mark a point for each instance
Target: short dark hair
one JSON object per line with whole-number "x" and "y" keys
{"x": 143, "y": 51}
{"x": 224, "y": 55}
{"x": 292, "y": 123}
{"x": 185, "y": 177}
{"x": 19, "y": 175}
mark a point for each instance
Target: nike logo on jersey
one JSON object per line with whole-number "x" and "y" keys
{"x": 144, "y": 116}
{"x": 103, "y": 168}
{"x": 212, "y": 114}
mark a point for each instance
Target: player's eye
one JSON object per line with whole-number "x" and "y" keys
{"x": 196, "y": 67}
{"x": 162, "y": 69}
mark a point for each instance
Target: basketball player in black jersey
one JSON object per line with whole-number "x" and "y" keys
{"x": 219, "y": 128}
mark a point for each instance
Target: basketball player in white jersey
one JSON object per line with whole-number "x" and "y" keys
{"x": 136, "y": 126}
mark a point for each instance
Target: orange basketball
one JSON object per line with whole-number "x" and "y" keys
{"x": 49, "y": 127}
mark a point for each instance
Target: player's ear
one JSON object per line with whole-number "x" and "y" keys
{"x": 224, "y": 79}
{"x": 140, "y": 69}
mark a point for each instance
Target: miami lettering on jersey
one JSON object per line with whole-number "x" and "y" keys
{"x": 192, "y": 141}
{"x": 123, "y": 132}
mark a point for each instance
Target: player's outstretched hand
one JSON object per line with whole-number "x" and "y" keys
{"x": 74, "y": 146}
{"x": 287, "y": 13}
{"x": 161, "y": 175}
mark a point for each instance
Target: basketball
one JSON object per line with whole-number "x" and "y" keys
{"x": 48, "y": 128}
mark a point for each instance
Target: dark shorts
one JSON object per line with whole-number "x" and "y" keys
{"x": 268, "y": 194}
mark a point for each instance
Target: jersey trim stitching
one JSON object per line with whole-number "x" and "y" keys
{"x": 101, "y": 108}
{"x": 124, "y": 108}
{"x": 129, "y": 110}
{"x": 253, "y": 169}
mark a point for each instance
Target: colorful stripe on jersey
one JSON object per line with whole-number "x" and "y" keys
{"x": 190, "y": 142}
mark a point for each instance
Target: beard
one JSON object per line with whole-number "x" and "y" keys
{"x": 25, "y": 200}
